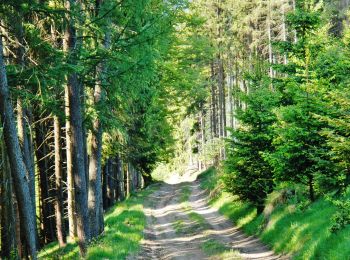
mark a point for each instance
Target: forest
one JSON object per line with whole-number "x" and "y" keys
{"x": 102, "y": 99}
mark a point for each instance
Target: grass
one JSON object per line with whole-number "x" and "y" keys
{"x": 302, "y": 233}
{"x": 185, "y": 193}
{"x": 179, "y": 226}
{"x": 198, "y": 219}
{"x": 124, "y": 225}
{"x": 212, "y": 248}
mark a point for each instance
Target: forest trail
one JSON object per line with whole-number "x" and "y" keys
{"x": 181, "y": 225}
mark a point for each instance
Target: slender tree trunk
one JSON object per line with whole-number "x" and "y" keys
{"x": 18, "y": 168}
{"x": 295, "y": 32}
{"x": 269, "y": 38}
{"x": 22, "y": 120}
{"x": 60, "y": 225}
{"x": 76, "y": 120}
{"x": 70, "y": 177}
{"x": 222, "y": 99}
{"x": 120, "y": 179}
{"x": 284, "y": 31}
{"x": 95, "y": 186}
{"x": 45, "y": 170}
{"x": 72, "y": 225}
{"x": 7, "y": 222}
{"x": 25, "y": 144}
{"x": 95, "y": 168}
{"x": 127, "y": 178}
{"x": 104, "y": 186}
{"x": 213, "y": 102}
{"x": 111, "y": 182}
{"x": 203, "y": 141}
{"x": 20, "y": 238}
{"x": 311, "y": 189}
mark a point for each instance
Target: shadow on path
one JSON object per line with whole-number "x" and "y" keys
{"x": 183, "y": 229}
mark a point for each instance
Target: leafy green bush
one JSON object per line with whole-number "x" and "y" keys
{"x": 342, "y": 217}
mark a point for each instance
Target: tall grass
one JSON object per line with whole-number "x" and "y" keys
{"x": 303, "y": 233}
{"x": 124, "y": 225}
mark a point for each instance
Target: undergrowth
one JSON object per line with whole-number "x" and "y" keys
{"x": 303, "y": 232}
{"x": 124, "y": 225}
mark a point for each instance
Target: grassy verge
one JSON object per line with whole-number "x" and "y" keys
{"x": 124, "y": 225}
{"x": 300, "y": 232}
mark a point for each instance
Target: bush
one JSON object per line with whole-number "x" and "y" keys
{"x": 342, "y": 217}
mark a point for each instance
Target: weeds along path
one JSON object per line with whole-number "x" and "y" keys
{"x": 181, "y": 225}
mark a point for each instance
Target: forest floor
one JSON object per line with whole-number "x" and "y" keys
{"x": 181, "y": 225}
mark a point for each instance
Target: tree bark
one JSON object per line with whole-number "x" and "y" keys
{"x": 59, "y": 210}
{"x": 95, "y": 186}
{"x": 120, "y": 179}
{"x": 45, "y": 186}
{"x": 222, "y": 99}
{"x": 70, "y": 178}
{"x": 95, "y": 168}
{"x": 18, "y": 168}
{"x": 127, "y": 181}
{"x": 8, "y": 217}
{"x": 76, "y": 121}
{"x": 213, "y": 103}
{"x": 104, "y": 186}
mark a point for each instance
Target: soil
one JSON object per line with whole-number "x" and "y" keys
{"x": 188, "y": 228}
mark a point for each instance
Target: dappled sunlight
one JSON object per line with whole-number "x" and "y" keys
{"x": 180, "y": 224}
{"x": 190, "y": 175}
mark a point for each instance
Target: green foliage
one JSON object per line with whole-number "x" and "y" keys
{"x": 300, "y": 233}
{"x": 301, "y": 152}
{"x": 249, "y": 175}
{"x": 342, "y": 217}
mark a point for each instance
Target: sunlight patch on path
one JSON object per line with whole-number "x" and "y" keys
{"x": 189, "y": 176}
{"x": 181, "y": 225}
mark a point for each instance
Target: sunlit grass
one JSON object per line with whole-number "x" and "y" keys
{"x": 304, "y": 234}
{"x": 124, "y": 225}
{"x": 178, "y": 226}
{"x": 217, "y": 250}
{"x": 198, "y": 219}
{"x": 185, "y": 193}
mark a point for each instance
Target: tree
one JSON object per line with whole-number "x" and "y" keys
{"x": 300, "y": 154}
{"x": 18, "y": 168}
{"x": 76, "y": 126}
{"x": 248, "y": 173}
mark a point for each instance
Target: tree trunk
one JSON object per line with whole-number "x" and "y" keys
{"x": 311, "y": 188}
{"x": 95, "y": 168}
{"x": 213, "y": 103}
{"x": 76, "y": 121}
{"x": 59, "y": 212}
{"x": 70, "y": 178}
{"x": 127, "y": 180}
{"x": 8, "y": 224}
{"x": 18, "y": 168}
{"x": 72, "y": 224}
{"x": 269, "y": 39}
{"x": 95, "y": 186}
{"x": 120, "y": 179}
{"x": 45, "y": 170}
{"x": 222, "y": 101}
{"x": 104, "y": 186}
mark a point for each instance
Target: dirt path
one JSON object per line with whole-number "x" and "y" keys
{"x": 181, "y": 225}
